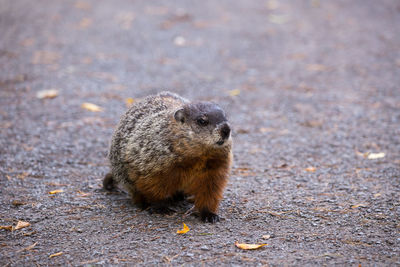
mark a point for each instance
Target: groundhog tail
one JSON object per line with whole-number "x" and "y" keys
{"x": 108, "y": 182}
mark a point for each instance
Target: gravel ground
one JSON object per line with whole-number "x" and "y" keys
{"x": 311, "y": 89}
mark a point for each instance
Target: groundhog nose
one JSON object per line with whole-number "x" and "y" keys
{"x": 225, "y": 131}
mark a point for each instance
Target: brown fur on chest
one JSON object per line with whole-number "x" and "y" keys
{"x": 189, "y": 175}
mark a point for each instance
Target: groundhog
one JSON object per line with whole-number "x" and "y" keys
{"x": 166, "y": 147}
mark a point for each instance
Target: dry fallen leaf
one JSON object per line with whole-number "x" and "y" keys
{"x": 184, "y": 230}
{"x": 18, "y": 202}
{"x": 56, "y": 191}
{"x": 272, "y": 4}
{"x": 311, "y": 169}
{"x": 28, "y": 247}
{"x": 364, "y": 155}
{"x": 91, "y": 107}
{"x": 6, "y": 227}
{"x": 180, "y": 41}
{"x": 234, "y": 92}
{"x": 249, "y": 246}
{"x": 359, "y": 205}
{"x": 51, "y": 93}
{"x": 83, "y": 194}
{"x": 376, "y": 155}
{"x": 22, "y": 224}
{"x": 56, "y": 254}
{"x": 84, "y": 23}
{"x": 278, "y": 19}
{"x": 82, "y": 5}
{"x": 316, "y": 67}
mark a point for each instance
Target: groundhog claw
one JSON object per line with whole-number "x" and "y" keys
{"x": 207, "y": 216}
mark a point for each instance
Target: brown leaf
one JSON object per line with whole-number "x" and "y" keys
{"x": 83, "y": 194}
{"x": 6, "y": 227}
{"x": 85, "y": 23}
{"x": 22, "y": 224}
{"x": 311, "y": 169}
{"x": 249, "y": 246}
{"x": 316, "y": 67}
{"x": 91, "y": 107}
{"x": 51, "y": 93}
{"x": 359, "y": 205}
{"x": 28, "y": 247}
{"x": 18, "y": 203}
{"x": 56, "y": 254}
{"x": 82, "y": 5}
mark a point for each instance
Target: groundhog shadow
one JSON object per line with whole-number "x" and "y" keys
{"x": 177, "y": 206}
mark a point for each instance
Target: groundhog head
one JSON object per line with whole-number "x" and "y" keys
{"x": 205, "y": 122}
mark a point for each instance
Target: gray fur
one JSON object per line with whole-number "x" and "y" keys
{"x": 148, "y": 135}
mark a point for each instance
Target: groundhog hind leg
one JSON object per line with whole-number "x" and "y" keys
{"x": 109, "y": 182}
{"x": 149, "y": 204}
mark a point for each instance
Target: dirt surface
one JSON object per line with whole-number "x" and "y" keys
{"x": 311, "y": 89}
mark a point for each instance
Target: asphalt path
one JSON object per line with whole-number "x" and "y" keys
{"x": 311, "y": 89}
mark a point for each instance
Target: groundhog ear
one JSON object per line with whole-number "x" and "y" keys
{"x": 179, "y": 115}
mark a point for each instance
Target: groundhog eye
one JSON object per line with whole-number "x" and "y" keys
{"x": 202, "y": 122}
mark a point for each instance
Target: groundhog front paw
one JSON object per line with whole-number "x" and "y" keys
{"x": 207, "y": 216}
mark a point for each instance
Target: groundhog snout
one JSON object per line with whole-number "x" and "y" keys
{"x": 225, "y": 130}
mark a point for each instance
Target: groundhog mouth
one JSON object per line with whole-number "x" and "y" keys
{"x": 221, "y": 142}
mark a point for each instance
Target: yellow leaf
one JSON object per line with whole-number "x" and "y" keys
{"x": 184, "y": 230}
{"x": 7, "y": 227}
{"x": 376, "y": 155}
{"x": 129, "y": 101}
{"x": 91, "y": 107}
{"x": 56, "y": 191}
{"x": 52, "y": 93}
{"x": 234, "y": 92}
{"x": 311, "y": 169}
{"x": 249, "y": 246}
{"x": 22, "y": 224}
{"x": 56, "y": 254}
